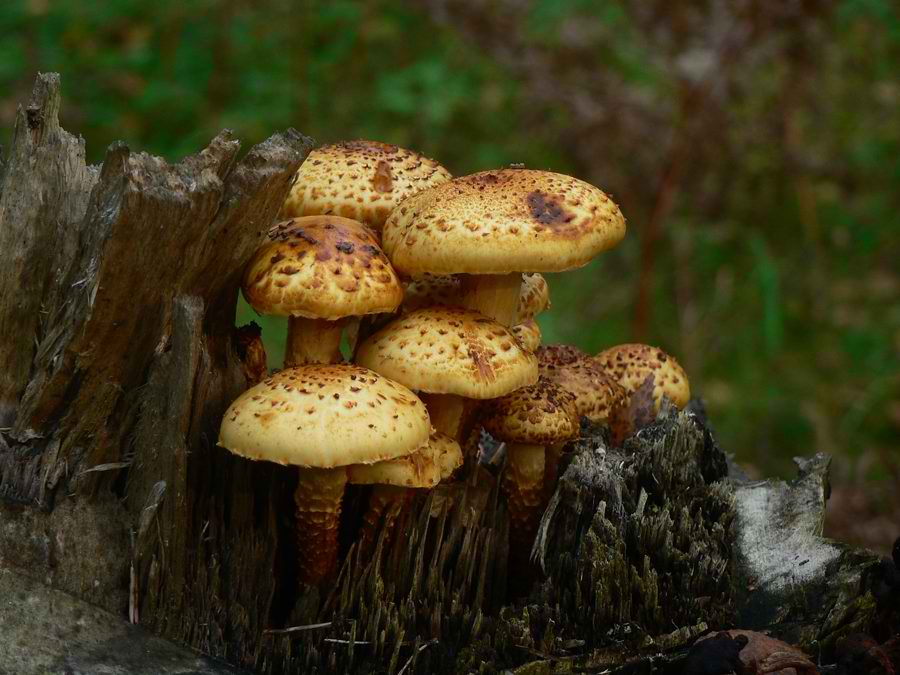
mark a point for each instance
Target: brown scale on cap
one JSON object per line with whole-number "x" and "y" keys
{"x": 502, "y": 221}
{"x": 321, "y": 267}
{"x": 360, "y": 179}
{"x": 596, "y": 393}
{"x": 323, "y": 418}
{"x": 449, "y": 350}
{"x": 528, "y": 333}
{"x": 630, "y": 364}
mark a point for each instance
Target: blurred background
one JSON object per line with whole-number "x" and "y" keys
{"x": 754, "y": 147}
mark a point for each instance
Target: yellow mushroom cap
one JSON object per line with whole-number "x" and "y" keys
{"x": 542, "y": 414}
{"x": 424, "y": 468}
{"x": 325, "y": 416}
{"x": 503, "y": 221}
{"x": 321, "y": 267}
{"x": 364, "y": 180}
{"x": 449, "y": 350}
{"x": 534, "y": 297}
{"x": 630, "y": 364}
{"x": 596, "y": 393}
{"x": 528, "y": 333}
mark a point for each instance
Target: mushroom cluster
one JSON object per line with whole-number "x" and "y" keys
{"x": 452, "y": 270}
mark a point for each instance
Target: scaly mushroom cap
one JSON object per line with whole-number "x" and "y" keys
{"x": 630, "y": 365}
{"x": 528, "y": 333}
{"x": 503, "y": 221}
{"x": 596, "y": 393}
{"x": 542, "y": 414}
{"x": 364, "y": 180}
{"x": 449, "y": 350}
{"x": 534, "y": 297}
{"x": 325, "y": 417}
{"x": 429, "y": 291}
{"x": 424, "y": 468}
{"x": 321, "y": 267}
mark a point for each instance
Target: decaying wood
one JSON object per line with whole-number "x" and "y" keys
{"x": 118, "y": 356}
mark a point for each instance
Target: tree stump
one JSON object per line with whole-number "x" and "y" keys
{"x": 118, "y": 357}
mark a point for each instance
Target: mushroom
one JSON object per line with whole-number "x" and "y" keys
{"x": 491, "y": 226}
{"x": 252, "y": 352}
{"x": 630, "y": 364}
{"x": 449, "y": 354}
{"x": 395, "y": 479}
{"x": 596, "y": 393}
{"x": 322, "y": 419}
{"x": 528, "y": 420}
{"x": 318, "y": 271}
{"x": 528, "y": 333}
{"x": 360, "y": 179}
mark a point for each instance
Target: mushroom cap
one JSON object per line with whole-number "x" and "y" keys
{"x": 360, "y": 179}
{"x": 541, "y": 414}
{"x": 325, "y": 416}
{"x": 528, "y": 333}
{"x": 596, "y": 393}
{"x": 534, "y": 297}
{"x": 431, "y": 290}
{"x": 424, "y": 468}
{"x": 449, "y": 350}
{"x": 502, "y": 221}
{"x": 321, "y": 267}
{"x": 630, "y": 364}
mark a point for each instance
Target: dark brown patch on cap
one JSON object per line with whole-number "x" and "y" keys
{"x": 546, "y": 210}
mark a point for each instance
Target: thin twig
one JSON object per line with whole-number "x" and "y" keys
{"x": 433, "y": 641}
{"x": 296, "y": 629}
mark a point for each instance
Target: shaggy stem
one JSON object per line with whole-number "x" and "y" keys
{"x": 313, "y": 341}
{"x": 551, "y": 469}
{"x": 494, "y": 295}
{"x": 384, "y": 505}
{"x": 523, "y": 483}
{"x": 318, "y": 500}
{"x": 447, "y": 412}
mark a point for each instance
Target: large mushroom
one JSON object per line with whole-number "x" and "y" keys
{"x": 449, "y": 354}
{"x": 363, "y": 180}
{"x": 529, "y": 420}
{"x": 631, "y": 364}
{"x": 492, "y": 226}
{"x": 318, "y": 271}
{"x": 324, "y": 419}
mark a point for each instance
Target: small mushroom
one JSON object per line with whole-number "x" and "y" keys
{"x": 363, "y": 180}
{"x": 323, "y": 419}
{"x": 252, "y": 353}
{"x": 596, "y": 393}
{"x": 534, "y": 297}
{"x": 491, "y": 226}
{"x": 449, "y": 354}
{"x": 528, "y": 333}
{"x": 319, "y": 271}
{"x": 630, "y": 364}
{"x": 395, "y": 480}
{"x": 528, "y": 420}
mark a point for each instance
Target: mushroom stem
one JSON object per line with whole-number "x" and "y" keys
{"x": 313, "y": 341}
{"x": 447, "y": 412}
{"x": 523, "y": 483}
{"x": 384, "y": 505}
{"x": 318, "y": 500}
{"x": 494, "y": 295}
